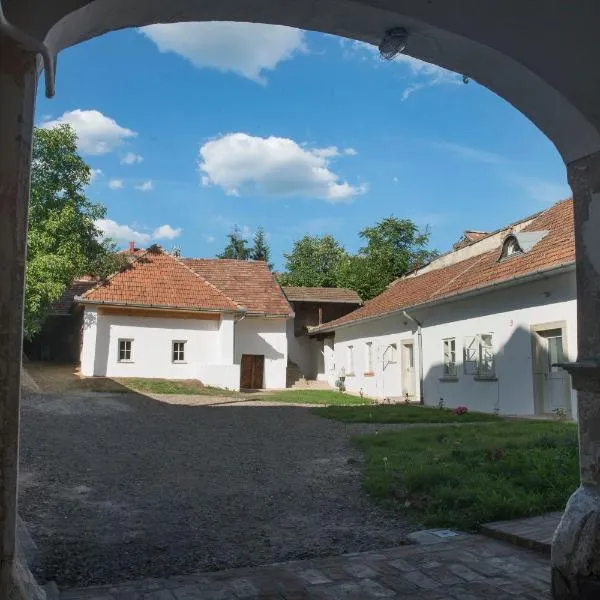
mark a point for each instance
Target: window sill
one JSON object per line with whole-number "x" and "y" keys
{"x": 126, "y": 362}
{"x": 350, "y": 375}
{"x": 368, "y": 374}
{"x": 179, "y": 362}
{"x": 449, "y": 379}
{"x": 485, "y": 378}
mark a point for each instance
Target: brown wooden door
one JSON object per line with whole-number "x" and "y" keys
{"x": 251, "y": 371}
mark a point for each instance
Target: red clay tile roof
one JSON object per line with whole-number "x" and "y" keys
{"x": 250, "y": 283}
{"x": 555, "y": 249}
{"x": 65, "y": 302}
{"x": 320, "y": 294}
{"x": 158, "y": 279}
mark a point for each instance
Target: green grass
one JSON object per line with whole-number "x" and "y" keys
{"x": 168, "y": 386}
{"x": 399, "y": 413}
{"x": 462, "y": 477}
{"x": 312, "y": 397}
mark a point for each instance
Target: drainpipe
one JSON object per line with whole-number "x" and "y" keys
{"x": 420, "y": 338}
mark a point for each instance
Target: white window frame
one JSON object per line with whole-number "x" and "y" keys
{"x": 349, "y": 360}
{"x": 126, "y": 350}
{"x": 178, "y": 361}
{"x": 449, "y": 365}
{"x": 479, "y": 356}
{"x": 369, "y": 357}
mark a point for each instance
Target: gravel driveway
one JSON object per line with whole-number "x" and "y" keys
{"x": 124, "y": 486}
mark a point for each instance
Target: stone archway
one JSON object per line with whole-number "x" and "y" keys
{"x": 542, "y": 56}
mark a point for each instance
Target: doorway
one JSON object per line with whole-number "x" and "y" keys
{"x": 551, "y": 386}
{"x": 408, "y": 370}
{"x": 252, "y": 370}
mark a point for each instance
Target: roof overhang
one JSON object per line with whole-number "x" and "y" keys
{"x": 476, "y": 291}
{"x": 171, "y": 307}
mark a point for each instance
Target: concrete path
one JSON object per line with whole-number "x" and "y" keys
{"x": 460, "y": 568}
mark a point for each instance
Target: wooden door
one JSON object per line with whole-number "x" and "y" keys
{"x": 251, "y": 371}
{"x": 551, "y": 384}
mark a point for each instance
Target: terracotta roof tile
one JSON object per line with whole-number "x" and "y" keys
{"x": 65, "y": 302}
{"x": 250, "y": 283}
{"x": 320, "y": 294}
{"x": 558, "y": 247}
{"x": 155, "y": 278}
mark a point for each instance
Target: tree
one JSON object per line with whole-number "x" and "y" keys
{"x": 313, "y": 261}
{"x": 63, "y": 240}
{"x": 236, "y": 246}
{"x": 260, "y": 249}
{"x": 394, "y": 248}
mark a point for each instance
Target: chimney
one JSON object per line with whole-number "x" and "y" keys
{"x": 131, "y": 247}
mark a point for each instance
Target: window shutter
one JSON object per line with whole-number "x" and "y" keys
{"x": 470, "y": 354}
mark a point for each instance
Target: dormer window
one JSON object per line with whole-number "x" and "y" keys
{"x": 521, "y": 243}
{"x": 510, "y": 247}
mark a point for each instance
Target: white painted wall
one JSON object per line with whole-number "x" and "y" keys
{"x": 208, "y": 349}
{"x": 508, "y": 314}
{"x": 304, "y": 351}
{"x": 259, "y": 335}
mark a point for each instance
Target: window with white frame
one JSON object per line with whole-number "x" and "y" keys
{"x": 349, "y": 360}
{"x": 450, "y": 357}
{"x": 178, "y": 351}
{"x": 479, "y": 356}
{"x": 125, "y": 354}
{"x": 369, "y": 357}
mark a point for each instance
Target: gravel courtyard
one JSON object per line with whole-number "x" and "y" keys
{"x": 123, "y": 486}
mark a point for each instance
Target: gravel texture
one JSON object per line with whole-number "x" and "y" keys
{"x": 123, "y": 486}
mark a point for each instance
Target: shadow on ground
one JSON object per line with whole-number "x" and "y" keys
{"x": 122, "y": 486}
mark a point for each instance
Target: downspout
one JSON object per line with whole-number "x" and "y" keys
{"x": 420, "y": 339}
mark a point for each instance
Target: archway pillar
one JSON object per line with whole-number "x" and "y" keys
{"x": 576, "y": 544}
{"x": 18, "y": 80}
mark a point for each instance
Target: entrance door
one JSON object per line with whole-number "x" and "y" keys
{"x": 252, "y": 369}
{"x": 551, "y": 384}
{"x": 408, "y": 370}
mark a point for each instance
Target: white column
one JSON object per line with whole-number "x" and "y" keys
{"x": 17, "y": 97}
{"x": 576, "y": 544}
{"x": 88, "y": 343}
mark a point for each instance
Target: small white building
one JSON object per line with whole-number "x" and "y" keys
{"x": 482, "y": 326}
{"x": 220, "y": 321}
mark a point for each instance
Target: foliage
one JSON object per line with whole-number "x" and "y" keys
{"x": 237, "y": 246}
{"x": 464, "y": 476}
{"x": 393, "y": 248}
{"x": 260, "y": 249}
{"x": 312, "y": 397}
{"x": 401, "y": 413}
{"x": 314, "y": 261}
{"x": 63, "y": 241}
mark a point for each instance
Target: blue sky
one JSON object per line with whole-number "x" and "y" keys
{"x": 192, "y": 128}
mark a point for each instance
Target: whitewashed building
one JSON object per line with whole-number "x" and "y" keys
{"x": 482, "y": 326}
{"x": 220, "y": 321}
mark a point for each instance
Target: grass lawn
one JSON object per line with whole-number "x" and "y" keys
{"x": 462, "y": 477}
{"x": 169, "y": 386}
{"x": 328, "y": 397}
{"x": 399, "y": 413}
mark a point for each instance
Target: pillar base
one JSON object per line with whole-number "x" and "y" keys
{"x": 576, "y": 549}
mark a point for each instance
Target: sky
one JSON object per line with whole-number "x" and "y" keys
{"x": 192, "y": 128}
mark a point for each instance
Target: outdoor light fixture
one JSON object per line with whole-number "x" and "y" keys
{"x": 393, "y": 43}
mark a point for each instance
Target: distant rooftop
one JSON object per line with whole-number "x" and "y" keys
{"x": 321, "y": 294}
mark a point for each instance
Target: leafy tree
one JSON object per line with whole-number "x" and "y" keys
{"x": 260, "y": 249}
{"x": 313, "y": 261}
{"x": 236, "y": 246}
{"x": 63, "y": 240}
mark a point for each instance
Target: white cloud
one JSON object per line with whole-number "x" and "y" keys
{"x": 131, "y": 158}
{"x": 469, "y": 152}
{"x": 209, "y": 238}
{"x": 166, "y": 232}
{"x": 96, "y": 133}
{"x": 350, "y": 152}
{"x": 247, "y": 49}
{"x": 121, "y": 233}
{"x": 241, "y": 163}
{"x": 424, "y": 74}
{"x": 116, "y": 184}
{"x": 95, "y": 173}
{"x": 542, "y": 190}
{"x": 146, "y": 186}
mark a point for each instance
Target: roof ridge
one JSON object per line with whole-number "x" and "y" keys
{"x": 209, "y": 283}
